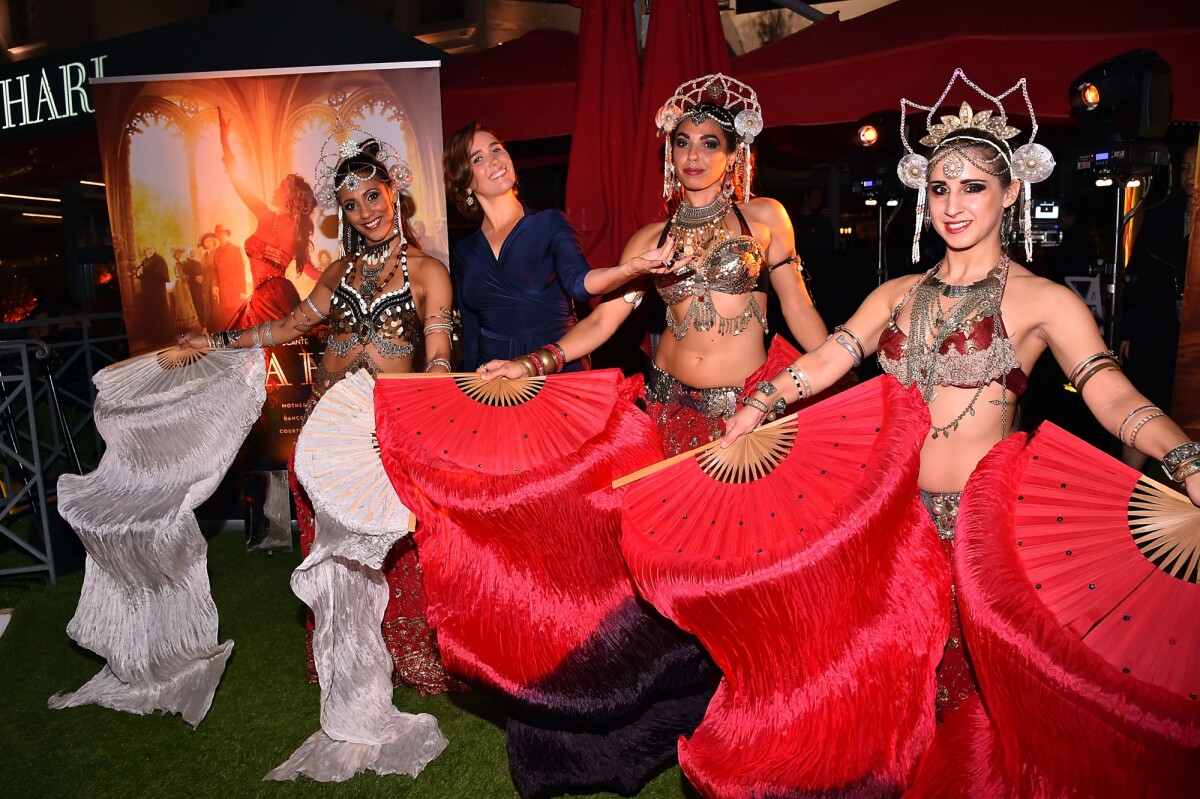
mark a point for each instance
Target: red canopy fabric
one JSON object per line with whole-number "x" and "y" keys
{"x": 684, "y": 41}
{"x": 837, "y": 71}
{"x": 608, "y": 80}
{"x": 524, "y": 88}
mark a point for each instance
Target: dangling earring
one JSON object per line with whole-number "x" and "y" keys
{"x": 470, "y": 198}
{"x": 396, "y": 224}
{"x": 727, "y": 183}
{"x": 341, "y": 232}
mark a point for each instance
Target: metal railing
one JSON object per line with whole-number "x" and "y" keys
{"x": 48, "y": 426}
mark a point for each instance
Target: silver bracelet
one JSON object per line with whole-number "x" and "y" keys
{"x": 840, "y": 340}
{"x": 1176, "y": 457}
{"x": 767, "y": 388}
{"x": 801, "y": 380}
{"x": 1129, "y": 418}
{"x": 270, "y": 333}
{"x": 439, "y": 362}
{"x": 308, "y": 301}
{"x": 1133, "y": 433}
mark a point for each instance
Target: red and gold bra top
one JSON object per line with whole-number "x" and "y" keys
{"x": 974, "y": 353}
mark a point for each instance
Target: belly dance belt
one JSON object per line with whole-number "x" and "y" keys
{"x": 711, "y": 403}
{"x": 943, "y": 509}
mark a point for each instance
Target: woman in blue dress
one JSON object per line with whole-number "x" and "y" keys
{"x": 515, "y": 277}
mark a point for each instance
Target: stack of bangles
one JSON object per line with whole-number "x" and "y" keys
{"x": 855, "y": 347}
{"x": 1091, "y": 366}
{"x": 1182, "y": 462}
{"x": 543, "y": 361}
{"x": 1143, "y": 414}
{"x": 263, "y": 335}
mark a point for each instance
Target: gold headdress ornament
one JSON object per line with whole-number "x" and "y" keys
{"x": 342, "y": 145}
{"x": 727, "y": 101}
{"x": 1030, "y": 163}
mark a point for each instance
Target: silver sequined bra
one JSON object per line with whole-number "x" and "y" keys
{"x": 389, "y": 322}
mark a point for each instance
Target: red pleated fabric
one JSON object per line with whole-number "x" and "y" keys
{"x": 828, "y": 643}
{"x": 529, "y": 594}
{"x": 1060, "y": 720}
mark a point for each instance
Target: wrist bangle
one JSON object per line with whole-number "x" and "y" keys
{"x": 757, "y": 404}
{"x": 1186, "y": 470}
{"x": 527, "y": 363}
{"x": 1177, "y": 456}
{"x": 766, "y": 388}
{"x": 438, "y": 362}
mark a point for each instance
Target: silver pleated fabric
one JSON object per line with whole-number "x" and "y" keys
{"x": 146, "y": 606}
{"x": 358, "y": 519}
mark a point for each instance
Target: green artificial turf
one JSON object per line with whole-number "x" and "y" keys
{"x": 263, "y": 709}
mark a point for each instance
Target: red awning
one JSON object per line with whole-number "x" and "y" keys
{"x": 837, "y": 71}
{"x": 524, "y": 89}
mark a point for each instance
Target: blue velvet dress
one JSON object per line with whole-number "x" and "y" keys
{"x": 518, "y": 302}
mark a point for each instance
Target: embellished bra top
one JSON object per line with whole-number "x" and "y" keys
{"x": 979, "y": 352}
{"x": 389, "y": 322}
{"x": 736, "y": 265}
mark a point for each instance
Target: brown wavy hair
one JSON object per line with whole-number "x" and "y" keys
{"x": 456, "y": 167}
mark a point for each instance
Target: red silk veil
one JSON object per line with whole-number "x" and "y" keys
{"x": 828, "y": 649}
{"x": 1056, "y": 719}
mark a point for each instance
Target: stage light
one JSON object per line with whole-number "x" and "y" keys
{"x": 871, "y": 201}
{"x": 892, "y": 203}
{"x": 1104, "y": 182}
{"x": 867, "y": 135}
{"x": 1123, "y": 99}
{"x": 1133, "y": 184}
{"x": 42, "y": 216}
{"x": 1089, "y": 95}
{"x": 92, "y": 183}
{"x": 30, "y": 197}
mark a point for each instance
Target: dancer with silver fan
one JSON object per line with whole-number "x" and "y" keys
{"x": 382, "y": 301}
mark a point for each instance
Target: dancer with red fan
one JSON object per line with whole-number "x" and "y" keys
{"x": 963, "y": 331}
{"x": 383, "y": 301}
{"x": 729, "y": 251}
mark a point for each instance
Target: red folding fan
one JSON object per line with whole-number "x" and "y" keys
{"x": 1113, "y": 555}
{"x": 745, "y": 498}
{"x": 499, "y": 426}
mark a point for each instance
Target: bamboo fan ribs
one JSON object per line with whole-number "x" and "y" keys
{"x": 499, "y": 426}
{"x": 743, "y": 499}
{"x": 1113, "y": 555}
{"x": 337, "y": 460}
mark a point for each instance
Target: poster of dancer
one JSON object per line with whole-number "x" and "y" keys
{"x": 209, "y": 179}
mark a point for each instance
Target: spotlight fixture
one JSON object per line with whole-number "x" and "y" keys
{"x": 1133, "y": 183}
{"x": 1102, "y": 182}
{"x": 1089, "y": 95}
{"x": 871, "y": 201}
{"x": 892, "y": 203}
{"x": 1124, "y": 98}
{"x": 868, "y": 134}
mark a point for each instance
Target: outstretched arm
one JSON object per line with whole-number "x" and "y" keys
{"x": 819, "y": 369}
{"x": 787, "y": 274}
{"x": 241, "y": 182}
{"x": 1070, "y": 331}
{"x": 304, "y": 317}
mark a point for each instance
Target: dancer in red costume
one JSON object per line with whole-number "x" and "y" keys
{"x": 730, "y": 250}
{"x": 962, "y": 332}
{"x": 283, "y": 234}
{"x": 382, "y": 300}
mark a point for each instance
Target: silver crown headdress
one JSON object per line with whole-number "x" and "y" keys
{"x": 342, "y": 145}
{"x": 695, "y": 99}
{"x": 1030, "y": 163}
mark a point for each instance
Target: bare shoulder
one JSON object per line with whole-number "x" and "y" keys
{"x": 1035, "y": 291}
{"x": 893, "y": 290}
{"x": 767, "y": 210}
{"x": 334, "y": 273}
{"x": 424, "y": 267}
{"x": 646, "y": 238}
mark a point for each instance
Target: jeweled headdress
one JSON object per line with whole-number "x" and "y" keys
{"x": 727, "y": 101}
{"x": 342, "y": 145}
{"x": 951, "y": 139}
